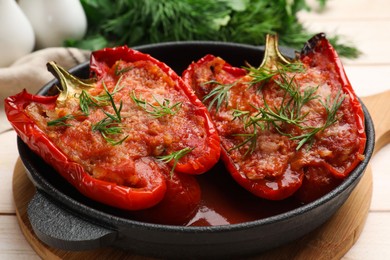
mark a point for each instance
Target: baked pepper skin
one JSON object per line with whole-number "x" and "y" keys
{"x": 311, "y": 189}
{"x": 307, "y": 180}
{"x": 156, "y": 177}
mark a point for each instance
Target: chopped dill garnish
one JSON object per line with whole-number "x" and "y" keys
{"x": 163, "y": 109}
{"x": 263, "y": 75}
{"x": 87, "y": 100}
{"x": 288, "y": 113}
{"x": 111, "y": 124}
{"x": 123, "y": 70}
{"x": 107, "y": 126}
{"x": 175, "y": 156}
{"x": 61, "y": 121}
{"x": 331, "y": 110}
{"x": 218, "y": 95}
{"x": 254, "y": 122}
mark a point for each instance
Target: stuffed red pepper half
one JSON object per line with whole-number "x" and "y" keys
{"x": 288, "y": 127}
{"x": 130, "y": 137}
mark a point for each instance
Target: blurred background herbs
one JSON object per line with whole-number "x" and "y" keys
{"x": 133, "y": 22}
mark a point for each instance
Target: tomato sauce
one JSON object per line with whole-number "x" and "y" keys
{"x": 225, "y": 202}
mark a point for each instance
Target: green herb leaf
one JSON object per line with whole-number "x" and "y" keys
{"x": 108, "y": 126}
{"x": 243, "y": 21}
{"x": 123, "y": 70}
{"x": 218, "y": 95}
{"x": 163, "y": 109}
{"x": 263, "y": 75}
{"x": 175, "y": 156}
{"x": 288, "y": 113}
{"x": 331, "y": 108}
{"x": 111, "y": 124}
{"x": 60, "y": 121}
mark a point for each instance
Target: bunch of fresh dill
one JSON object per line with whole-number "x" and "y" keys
{"x": 133, "y": 22}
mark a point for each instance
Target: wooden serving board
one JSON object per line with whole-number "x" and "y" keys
{"x": 330, "y": 241}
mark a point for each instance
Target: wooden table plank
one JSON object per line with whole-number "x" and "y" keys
{"x": 13, "y": 245}
{"x": 368, "y": 80}
{"x": 349, "y": 10}
{"x": 370, "y": 37}
{"x": 381, "y": 182}
{"x": 374, "y": 242}
{"x": 8, "y": 157}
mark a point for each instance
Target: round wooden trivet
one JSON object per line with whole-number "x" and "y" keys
{"x": 331, "y": 240}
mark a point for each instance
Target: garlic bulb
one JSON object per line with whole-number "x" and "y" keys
{"x": 55, "y": 20}
{"x": 16, "y": 33}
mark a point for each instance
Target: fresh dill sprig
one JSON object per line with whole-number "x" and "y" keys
{"x": 239, "y": 114}
{"x": 218, "y": 95}
{"x": 123, "y": 70}
{"x": 254, "y": 123}
{"x": 175, "y": 156}
{"x": 108, "y": 127}
{"x": 331, "y": 118}
{"x": 111, "y": 124}
{"x": 61, "y": 121}
{"x": 117, "y": 116}
{"x": 290, "y": 108}
{"x": 263, "y": 75}
{"x": 332, "y": 108}
{"x": 163, "y": 109}
{"x": 86, "y": 100}
{"x": 288, "y": 113}
{"x": 171, "y": 20}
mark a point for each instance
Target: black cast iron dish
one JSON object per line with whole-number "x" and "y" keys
{"x": 64, "y": 219}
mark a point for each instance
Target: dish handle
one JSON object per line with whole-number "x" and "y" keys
{"x": 61, "y": 229}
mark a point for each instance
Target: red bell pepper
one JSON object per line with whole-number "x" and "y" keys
{"x": 102, "y": 60}
{"x": 288, "y": 127}
{"x": 134, "y": 182}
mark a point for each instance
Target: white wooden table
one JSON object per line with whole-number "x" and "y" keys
{"x": 366, "y": 23}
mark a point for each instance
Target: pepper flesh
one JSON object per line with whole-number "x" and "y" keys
{"x": 154, "y": 180}
{"x": 278, "y": 167}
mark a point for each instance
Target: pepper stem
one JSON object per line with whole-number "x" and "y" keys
{"x": 69, "y": 85}
{"x": 272, "y": 55}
